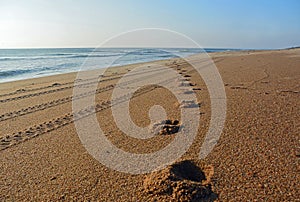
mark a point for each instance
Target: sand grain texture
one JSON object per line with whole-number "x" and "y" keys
{"x": 256, "y": 158}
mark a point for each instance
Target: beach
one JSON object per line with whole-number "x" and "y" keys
{"x": 256, "y": 158}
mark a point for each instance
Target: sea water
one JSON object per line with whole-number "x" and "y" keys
{"x": 18, "y": 64}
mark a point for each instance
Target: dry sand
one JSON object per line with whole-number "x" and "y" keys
{"x": 256, "y": 158}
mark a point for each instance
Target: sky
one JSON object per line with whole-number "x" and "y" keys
{"x": 260, "y": 24}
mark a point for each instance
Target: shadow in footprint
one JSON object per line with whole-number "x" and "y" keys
{"x": 182, "y": 181}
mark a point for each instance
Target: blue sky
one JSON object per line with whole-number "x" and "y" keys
{"x": 211, "y": 23}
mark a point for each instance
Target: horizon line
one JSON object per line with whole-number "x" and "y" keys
{"x": 24, "y": 48}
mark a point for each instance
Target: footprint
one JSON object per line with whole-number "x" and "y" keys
{"x": 166, "y": 127}
{"x": 188, "y": 92}
{"x": 189, "y": 104}
{"x": 181, "y": 181}
{"x": 184, "y": 84}
{"x": 238, "y": 87}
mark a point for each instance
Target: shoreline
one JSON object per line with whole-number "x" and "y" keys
{"x": 27, "y": 80}
{"x": 218, "y": 50}
{"x": 69, "y": 76}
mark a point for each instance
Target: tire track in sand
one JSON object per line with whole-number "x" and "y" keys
{"x": 54, "y": 124}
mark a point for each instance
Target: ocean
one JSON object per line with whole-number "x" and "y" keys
{"x": 18, "y": 64}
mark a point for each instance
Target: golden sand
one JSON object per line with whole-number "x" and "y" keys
{"x": 256, "y": 158}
